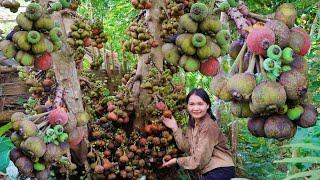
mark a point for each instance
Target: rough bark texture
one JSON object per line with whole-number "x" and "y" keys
{"x": 66, "y": 76}
{"x": 154, "y": 26}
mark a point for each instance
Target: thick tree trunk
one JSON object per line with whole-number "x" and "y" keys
{"x": 156, "y": 56}
{"x": 66, "y": 76}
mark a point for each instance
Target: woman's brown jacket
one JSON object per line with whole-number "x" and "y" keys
{"x": 205, "y": 145}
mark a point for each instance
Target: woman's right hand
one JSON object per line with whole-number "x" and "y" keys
{"x": 170, "y": 123}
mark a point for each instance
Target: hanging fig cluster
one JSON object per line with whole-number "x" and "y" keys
{"x": 169, "y": 17}
{"x": 33, "y": 40}
{"x": 200, "y": 41}
{"x": 13, "y": 5}
{"x": 141, "y": 40}
{"x": 141, "y": 4}
{"x": 268, "y": 81}
{"x": 42, "y": 143}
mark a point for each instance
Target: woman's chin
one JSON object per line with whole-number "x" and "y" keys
{"x": 197, "y": 116}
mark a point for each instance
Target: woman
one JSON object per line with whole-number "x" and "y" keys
{"x": 204, "y": 142}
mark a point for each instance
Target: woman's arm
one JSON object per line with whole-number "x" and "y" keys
{"x": 181, "y": 140}
{"x": 208, "y": 139}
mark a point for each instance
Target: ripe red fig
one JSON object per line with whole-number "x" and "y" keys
{"x": 259, "y": 40}
{"x": 43, "y": 62}
{"x": 58, "y": 116}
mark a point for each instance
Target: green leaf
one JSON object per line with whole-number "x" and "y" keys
{"x": 299, "y": 160}
{"x": 304, "y": 174}
{"x": 303, "y": 145}
{"x": 5, "y": 147}
{"x": 5, "y": 128}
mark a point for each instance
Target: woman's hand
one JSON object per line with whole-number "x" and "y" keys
{"x": 170, "y": 123}
{"x": 169, "y": 163}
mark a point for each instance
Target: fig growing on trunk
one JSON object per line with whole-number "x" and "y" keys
{"x": 219, "y": 87}
{"x": 53, "y": 153}
{"x": 256, "y": 126}
{"x": 295, "y": 84}
{"x": 268, "y": 97}
{"x": 241, "y": 110}
{"x": 259, "y": 40}
{"x": 25, "y": 166}
{"x": 241, "y": 85}
{"x": 210, "y": 67}
{"x": 34, "y": 146}
{"x": 15, "y": 154}
{"x": 281, "y": 31}
{"x": 286, "y": 13}
{"x": 279, "y": 127}
{"x": 27, "y": 129}
{"x": 299, "y": 41}
{"x": 75, "y": 137}
{"x": 58, "y": 116}
{"x": 309, "y": 116}
{"x": 43, "y": 175}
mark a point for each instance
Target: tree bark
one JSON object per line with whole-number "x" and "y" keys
{"x": 66, "y": 76}
{"x": 156, "y": 56}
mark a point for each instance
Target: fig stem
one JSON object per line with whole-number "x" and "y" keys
{"x": 257, "y": 68}
{"x": 263, "y": 73}
{"x": 36, "y": 117}
{"x": 252, "y": 63}
{"x": 260, "y": 17}
{"x": 42, "y": 124}
{"x": 238, "y": 59}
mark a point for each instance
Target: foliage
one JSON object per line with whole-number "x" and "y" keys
{"x": 117, "y": 16}
{"x": 5, "y": 147}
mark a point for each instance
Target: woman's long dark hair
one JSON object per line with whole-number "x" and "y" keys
{"x": 205, "y": 97}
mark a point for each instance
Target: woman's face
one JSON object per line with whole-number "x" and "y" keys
{"x": 197, "y": 108}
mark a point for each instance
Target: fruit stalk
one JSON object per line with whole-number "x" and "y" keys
{"x": 263, "y": 73}
{"x": 260, "y": 17}
{"x": 251, "y": 64}
{"x": 238, "y": 59}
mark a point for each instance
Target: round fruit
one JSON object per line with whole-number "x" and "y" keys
{"x": 199, "y": 40}
{"x": 33, "y": 37}
{"x": 281, "y": 31}
{"x": 287, "y": 56}
{"x": 279, "y": 127}
{"x": 198, "y": 12}
{"x": 286, "y": 13}
{"x": 58, "y": 116}
{"x": 210, "y": 67}
{"x": 256, "y": 126}
{"x": 309, "y": 116}
{"x": 274, "y": 52}
{"x": 299, "y": 41}
{"x": 259, "y": 40}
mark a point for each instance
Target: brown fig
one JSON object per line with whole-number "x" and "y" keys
{"x": 279, "y": 127}
{"x": 309, "y": 116}
{"x": 256, "y": 126}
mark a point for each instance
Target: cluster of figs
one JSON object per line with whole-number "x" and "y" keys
{"x": 42, "y": 142}
{"x": 169, "y": 17}
{"x": 199, "y": 40}
{"x": 272, "y": 89}
{"x": 117, "y": 151}
{"x": 33, "y": 40}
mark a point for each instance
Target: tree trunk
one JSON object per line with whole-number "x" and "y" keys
{"x": 67, "y": 77}
{"x": 156, "y": 56}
